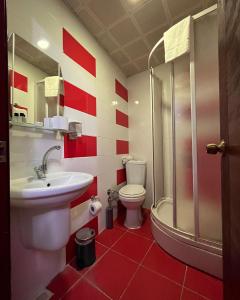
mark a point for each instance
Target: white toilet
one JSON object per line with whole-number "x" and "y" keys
{"x": 133, "y": 194}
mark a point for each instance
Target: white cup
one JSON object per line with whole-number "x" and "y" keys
{"x": 47, "y": 122}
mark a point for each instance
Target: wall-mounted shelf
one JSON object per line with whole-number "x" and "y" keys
{"x": 41, "y": 128}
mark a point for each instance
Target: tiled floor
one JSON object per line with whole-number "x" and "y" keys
{"x": 131, "y": 266}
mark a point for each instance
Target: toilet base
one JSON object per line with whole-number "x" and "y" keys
{"x": 133, "y": 218}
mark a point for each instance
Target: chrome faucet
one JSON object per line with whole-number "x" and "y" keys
{"x": 42, "y": 169}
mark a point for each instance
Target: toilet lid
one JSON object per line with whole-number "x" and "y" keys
{"x": 132, "y": 190}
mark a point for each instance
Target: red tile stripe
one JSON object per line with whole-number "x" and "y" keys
{"x": 122, "y": 147}
{"x": 78, "y": 99}
{"x": 20, "y": 81}
{"x": 71, "y": 246}
{"x": 83, "y": 146}
{"x": 121, "y": 90}
{"x": 121, "y": 118}
{"x": 121, "y": 176}
{"x": 73, "y": 49}
{"x": 91, "y": 191}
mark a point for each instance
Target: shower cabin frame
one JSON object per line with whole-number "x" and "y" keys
{"x": 191, "y": 248}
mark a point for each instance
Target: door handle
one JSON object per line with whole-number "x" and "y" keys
{"x": 215, "y": 148}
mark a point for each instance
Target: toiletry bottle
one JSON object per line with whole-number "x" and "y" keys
{"x": 24, "y": 119}
{"x": 15, "y": 118}
{"x": 21, "y": 117}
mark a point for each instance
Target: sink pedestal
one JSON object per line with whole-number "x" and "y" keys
{"x": 44, "y": 229}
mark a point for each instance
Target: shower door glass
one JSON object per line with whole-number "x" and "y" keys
{"x": 208, "y": 126}
{"x": 183, "y": 145}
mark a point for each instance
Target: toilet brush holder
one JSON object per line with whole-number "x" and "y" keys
{"x": 109, "y": 217}
{"x": 109, "y": 210}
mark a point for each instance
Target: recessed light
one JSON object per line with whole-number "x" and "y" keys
{"x": 134, "y": 1}
{"x": 136, "y": 102}
{"x": 114, "y": 102}
{"x": 43, "y": 44}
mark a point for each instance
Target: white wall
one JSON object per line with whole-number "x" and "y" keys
{"x": 34, "y": 20}
{"x": 140, "y": 129}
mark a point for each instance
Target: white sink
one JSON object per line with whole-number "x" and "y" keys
{"x": 43, "y": 207}
{"x": 56, "y": 189}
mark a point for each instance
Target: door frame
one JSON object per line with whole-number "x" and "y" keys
{"x": 4, "y": 166}
{"x": 229, "y": 84}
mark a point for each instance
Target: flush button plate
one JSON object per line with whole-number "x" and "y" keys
{"x": 3, "y": 151}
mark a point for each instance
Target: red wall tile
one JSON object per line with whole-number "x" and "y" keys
{"x": 78, "y": 99}
{"x": 81, "y": 147}
{"x": 71, "y": 247}
{"x": 121, "y": 176}
{"x": 122, "y": 147}
{"x": 61, "y": 100}
{"x": 20, "y": 81}
{"x": 73, "y": 49}
{"x": 91, "y": 191}
{"x": 121, "y": 90}
{"x": 121, "y": 118}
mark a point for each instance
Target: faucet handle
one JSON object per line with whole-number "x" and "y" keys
{"x": 39, "y": 172}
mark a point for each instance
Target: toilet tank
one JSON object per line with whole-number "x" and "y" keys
{"x": 136, "y": 172}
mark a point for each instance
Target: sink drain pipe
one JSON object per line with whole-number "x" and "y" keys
{"x": 112, "y": 196}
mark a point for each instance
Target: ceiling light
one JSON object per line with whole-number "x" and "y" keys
{"x": 136, "y": 102}
{"x": 134, "y": 1}
{"x": 114, "y": 102}
{"x": 43, "y": 44}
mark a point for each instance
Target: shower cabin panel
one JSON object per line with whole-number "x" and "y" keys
{"x": 208, "y": 126}
{"x": 163, "y": 72}
{"x": 183, "y": 145}
{"x": 158, "y": 138}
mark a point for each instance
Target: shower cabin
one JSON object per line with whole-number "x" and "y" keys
{"x": 186, "y": 210}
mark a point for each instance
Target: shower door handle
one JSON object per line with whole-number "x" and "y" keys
{"x": 215, "y": 148}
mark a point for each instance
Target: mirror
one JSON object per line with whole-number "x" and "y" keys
{"x": 35, "y": 83}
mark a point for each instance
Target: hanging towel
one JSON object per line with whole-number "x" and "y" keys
{"x": 52, "y": 85}
{"x": 177, "y": 39}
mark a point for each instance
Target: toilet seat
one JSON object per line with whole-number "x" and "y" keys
{"x": 132, "y": 191}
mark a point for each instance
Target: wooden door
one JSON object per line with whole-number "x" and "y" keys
{"x": 4, "y": 161}
{"x": 229, "y": 62}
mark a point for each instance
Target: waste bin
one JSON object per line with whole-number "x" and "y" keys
{"x": 85, "y": 247}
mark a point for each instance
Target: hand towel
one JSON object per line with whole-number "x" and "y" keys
{"x": 177, "y": 39}
{"x": 52, "y": 84}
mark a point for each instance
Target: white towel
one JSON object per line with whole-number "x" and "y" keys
{"x": 177, "y": 39}
{"x": 52, "y": 85}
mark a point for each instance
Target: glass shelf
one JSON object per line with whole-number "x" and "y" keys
{"x": 33, "y": 126}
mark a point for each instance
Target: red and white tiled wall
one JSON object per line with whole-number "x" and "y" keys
{"x": 102, "y": 147}
{"x": 96, "y": 95}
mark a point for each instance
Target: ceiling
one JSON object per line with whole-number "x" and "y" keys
{"x": 128, "y": 29}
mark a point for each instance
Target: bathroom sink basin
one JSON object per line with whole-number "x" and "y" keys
{"x": 57, "y": 189}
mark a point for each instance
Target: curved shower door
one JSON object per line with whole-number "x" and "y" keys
{"x": 197, "y": 176}
{"x": 208, "y": 127}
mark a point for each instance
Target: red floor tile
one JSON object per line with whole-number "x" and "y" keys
{"x": 62, "y": 282}
{"x": 133, "y": 246}
{"x": 147, "y": 285}
{"x": 112, "y": 274}
{"x": 204, "y": 284}
{"x": 189, "y": 295}
{"x": 100, "y": 250}
{"x": 145, "y": 230}
{"x": 119, "y": 222}
{"x": 85, "y": 291}
{"x": 159, "y": 261}
{"x": 109, "y": 236}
